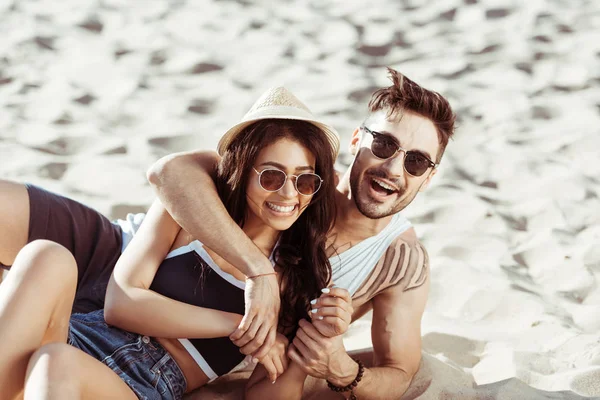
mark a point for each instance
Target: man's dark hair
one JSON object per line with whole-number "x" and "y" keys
{"x": 406, "y": 95}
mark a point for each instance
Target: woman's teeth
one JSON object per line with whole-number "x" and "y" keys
{"x": 281, "y": 209}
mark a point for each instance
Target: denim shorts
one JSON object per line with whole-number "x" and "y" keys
{"x": 140, "y": 361}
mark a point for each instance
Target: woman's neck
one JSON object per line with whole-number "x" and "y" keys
{"x": 263, "y": 236}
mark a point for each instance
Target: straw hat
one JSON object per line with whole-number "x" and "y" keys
{"x": 279, "y": 103}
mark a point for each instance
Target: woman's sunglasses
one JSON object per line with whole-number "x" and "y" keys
{"x": 384, "y": 147}
{"x": 272, "y": 180}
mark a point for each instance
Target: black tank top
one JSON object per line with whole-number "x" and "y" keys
{"x": 189, "y": 275}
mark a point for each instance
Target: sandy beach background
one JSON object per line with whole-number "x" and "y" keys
{"x": 92, "y": 92}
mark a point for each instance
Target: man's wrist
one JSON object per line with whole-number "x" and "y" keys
{"x": 258, "y": 266}
{"x": 346, "y": 374}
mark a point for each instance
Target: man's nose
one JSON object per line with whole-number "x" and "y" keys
{"x": 395, "y": 165}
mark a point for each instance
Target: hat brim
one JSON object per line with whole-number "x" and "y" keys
{"x": 331, "y": 134}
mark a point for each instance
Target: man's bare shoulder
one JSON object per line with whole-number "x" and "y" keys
{"x": 404, "y": 266}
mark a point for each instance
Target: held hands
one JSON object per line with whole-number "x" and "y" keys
{"x": 332, "y": 312}
{"x": 276, "y": 360}
{"x": 257, "y": 332}
{"x": 317, "y": 355}
{"x": 318, "y": 347}
{"x": 331, "y": 317}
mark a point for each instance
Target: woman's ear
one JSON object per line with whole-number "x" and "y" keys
{"x": 355, "y": 141}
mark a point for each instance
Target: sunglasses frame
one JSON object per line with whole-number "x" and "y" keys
{"x": 285, "y": 180}
{"x": 399, "y": 149}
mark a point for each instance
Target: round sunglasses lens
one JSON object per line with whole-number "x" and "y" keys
{"x": 383, "y": 148}
{"x": 272, "y": 179}
{"x": 416, "y": 164}
{"x": 308, "y": 184}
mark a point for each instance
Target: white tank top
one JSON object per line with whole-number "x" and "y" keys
{"x": 351, "y": 267}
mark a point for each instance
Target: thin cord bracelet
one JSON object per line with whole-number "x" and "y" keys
{"x": 259, "y": 275}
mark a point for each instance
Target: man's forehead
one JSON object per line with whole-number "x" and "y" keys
{"x": 409, "y": 128}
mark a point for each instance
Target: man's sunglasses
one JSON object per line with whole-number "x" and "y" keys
{"x": 384, "y": 147}
{"x": 272, "y": 180}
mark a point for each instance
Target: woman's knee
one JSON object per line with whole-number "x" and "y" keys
{"x": 53, "y": 362}
{"x": 46, "y": 259}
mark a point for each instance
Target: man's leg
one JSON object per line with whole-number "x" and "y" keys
{"x": 231, "y": 386}
{"x": 228, "y": 387}
{"x": 29, "y": 213}
{"x": 14, "y": 220}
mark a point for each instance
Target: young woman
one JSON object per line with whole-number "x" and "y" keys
{"x": 276, "y": 180}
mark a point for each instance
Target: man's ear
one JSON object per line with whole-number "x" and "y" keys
{"x": 425, "y": 184}
{"x": 355, "y": 141}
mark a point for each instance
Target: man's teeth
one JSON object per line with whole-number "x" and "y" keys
{"x": 384, "y": 185}
{"x": 282, "y": 209}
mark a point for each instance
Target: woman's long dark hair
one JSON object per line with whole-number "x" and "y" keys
{"x": 300, "y": 254}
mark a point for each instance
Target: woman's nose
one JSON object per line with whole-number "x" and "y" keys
{"x": 289, "y": 188}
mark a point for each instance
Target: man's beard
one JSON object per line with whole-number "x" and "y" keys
{"x": 369, "y": 208}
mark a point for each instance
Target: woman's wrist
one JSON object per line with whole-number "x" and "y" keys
{"x": 231, "y": 322}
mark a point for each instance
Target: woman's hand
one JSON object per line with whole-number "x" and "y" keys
{"x": 276, "y": 361}
{"x": 332, "y": 312}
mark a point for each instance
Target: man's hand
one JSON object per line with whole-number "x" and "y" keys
{"x": 257, "y": 331}
{"x": 276, "y": 360}
{"x": 332, "y": 312}
{"x": 320, "y": 356}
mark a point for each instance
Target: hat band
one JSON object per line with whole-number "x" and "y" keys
{"x": 278, "y": 111}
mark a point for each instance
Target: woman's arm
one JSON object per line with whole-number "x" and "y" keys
{"x": 132, "y": 306}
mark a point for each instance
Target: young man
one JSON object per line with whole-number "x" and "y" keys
{"x": 373, "y": 250}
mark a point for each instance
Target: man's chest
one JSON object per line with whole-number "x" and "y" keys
{"x": 338, "y": 243}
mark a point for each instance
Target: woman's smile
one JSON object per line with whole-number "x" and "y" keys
{"x": 281, "y": 209}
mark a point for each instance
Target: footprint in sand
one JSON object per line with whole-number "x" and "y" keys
{"x": 54, "y": 170}
{"x": 161, "y": 146}
{"x": 77, "y": 145}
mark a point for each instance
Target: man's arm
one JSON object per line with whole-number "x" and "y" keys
{"x": 395, "y": 331}
{"x": 185, "y": 186}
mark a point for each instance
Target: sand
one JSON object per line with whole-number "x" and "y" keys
{"x": 91, "y": 93}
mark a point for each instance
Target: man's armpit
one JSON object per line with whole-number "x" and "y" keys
{"x": 402, "y": 265}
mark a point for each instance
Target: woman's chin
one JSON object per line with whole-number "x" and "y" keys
{"x": 280, "y": 221}
{"x": 281, "y": 225}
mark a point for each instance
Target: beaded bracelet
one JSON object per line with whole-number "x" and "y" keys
{"x": 351, "y": 386}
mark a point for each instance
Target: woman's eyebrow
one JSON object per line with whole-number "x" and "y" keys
{"x": 283, "y": 167}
